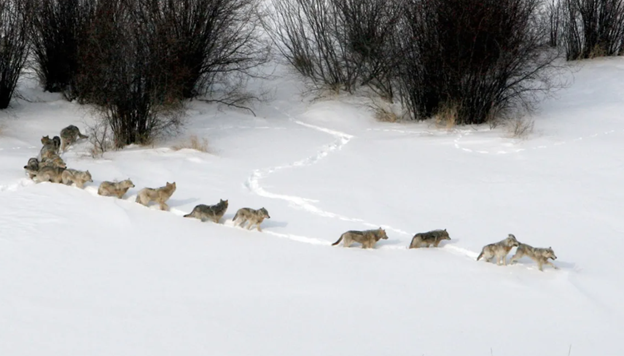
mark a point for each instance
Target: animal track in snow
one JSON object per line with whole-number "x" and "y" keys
{"x": 465, "y": 133}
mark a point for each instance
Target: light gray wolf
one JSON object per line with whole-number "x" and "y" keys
{"x": 368, "y": 238}
{"x": 50, "y": 174}
{"x": 499, "y": 250}
{"x": 209, "y": 212}
{"x": 70, "y": 176}
{"x": 49, "y": 148}
{"x": 537, "y": 254}
{"x": 159, "y": 195}
{"x": 53, "y": 161}
{"x": 117, "y": 189}
{"x": 32, "y": 168}
{"x": 250, "y": 216}
{"x": 70, "y": 135}
{"x": 429, "y": 238}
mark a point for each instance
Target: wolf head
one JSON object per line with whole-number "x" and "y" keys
{"x": 45, "y": 140}
{"x": 511, "y": 241}
{"x": 549, "y": 253}
{"x": 127, "y": 183}
{"x": 445, "y": 235}
{"x": 223, "y": 202}
{"x": 171, "y": 185}
{"x": 382, "y": 233}
{"x": 264, "y": 213}
{"x": 88, "y": 176}
{"x": 33, "y": 163}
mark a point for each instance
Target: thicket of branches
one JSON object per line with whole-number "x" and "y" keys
{"x": 588, "y": 28}
{"x": 337, "y": 43}
{"x": 137, "y": 60}
{"x": 14, "y": 45}
{"x": 58, "y": 29}
{"x": 478, "y": 58}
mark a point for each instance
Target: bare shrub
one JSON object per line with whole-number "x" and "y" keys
{"x": 123, "y": 72}
{"x": 58, "y": 29}
{"x": 484, "y": 57}
{"x": 337, "y": 44}
{"x": 520, "y": 127}
{"x": 554, "y": 15}
{"x": 206, "y": 40}
{"x": 447, "y": 116}
{"x": 592, "y": 28}
{"x": 100, "y": 138}
{"x": 193, "y": 143}
{"x": 15, "y": 17}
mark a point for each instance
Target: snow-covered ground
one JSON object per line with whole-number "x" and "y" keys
{"x": 82, "y": 274}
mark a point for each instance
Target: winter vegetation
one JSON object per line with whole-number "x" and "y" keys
{"x": 482, "y": 117}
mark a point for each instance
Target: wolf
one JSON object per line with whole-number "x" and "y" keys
{"x": 537, "y": 254}
{"x": 70, "y": 176}
{"x": 251, "y": 216}
{"x": 50, "y": 174}
{"x": 69, "y": 135}
{"x": 368, "y": 238}
{"x": 49, "y": 148}
{"x": 32, "y": 167}
{"x": 117, "y": 189}
{"x": 499, "y": 250}
{"x": 209, "y": 212}
{"x": 429, "y": 238}
{"x": 53, "y": 161}
{"x": 159, "y": 195}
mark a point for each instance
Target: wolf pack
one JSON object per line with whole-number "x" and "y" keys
{"x": 50, "y": 167}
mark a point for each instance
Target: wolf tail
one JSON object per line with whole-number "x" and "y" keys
{"x": 235, "y": 216}
{"x": 337, "y": 242}
{"x": 187, "y": 215}
{"x": 480, "y": 255}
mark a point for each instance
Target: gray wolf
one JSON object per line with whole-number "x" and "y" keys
{"x": 251, "y": 216}
{"x": 209, "y": 212}
{"x": 32, "y": 167}
{"x": 159, "y": 195}
{"x": 499, "y": 250}
{"x": 117, "y": 189}
{"x": 429, "y": 238}
{"x": 69, "y": 135}
{"x": 70, "y": 176}
{"x": 368, "y": 238}
{"x": 537, "y": 254}
{"x": 50, "y": 174}
{"x": 53, "y": 161}
{"x": 49, "y": 148}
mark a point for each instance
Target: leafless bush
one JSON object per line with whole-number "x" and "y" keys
{"x": 193, "y": 143}
{"x": 520, "y": 127}
{"x": 206, "y": 41}
{"x": 592, "y": 28}
{"x": 123, "y": 72}
{"x": 477, "y": 56}
{"x": 100, "y": 138}
{"x": 339, "y": 44}
{"x": 554, "y": 14}
{"x": 15, "y": 17}
{"x": 58, "y": 29}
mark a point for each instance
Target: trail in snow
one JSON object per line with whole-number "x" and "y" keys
{"x": 461, "y": 134}
{"x": 341, "y": 139}
{"x": 465, "y": 133}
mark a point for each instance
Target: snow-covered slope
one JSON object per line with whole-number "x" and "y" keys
{"x": 82, "y": 274}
